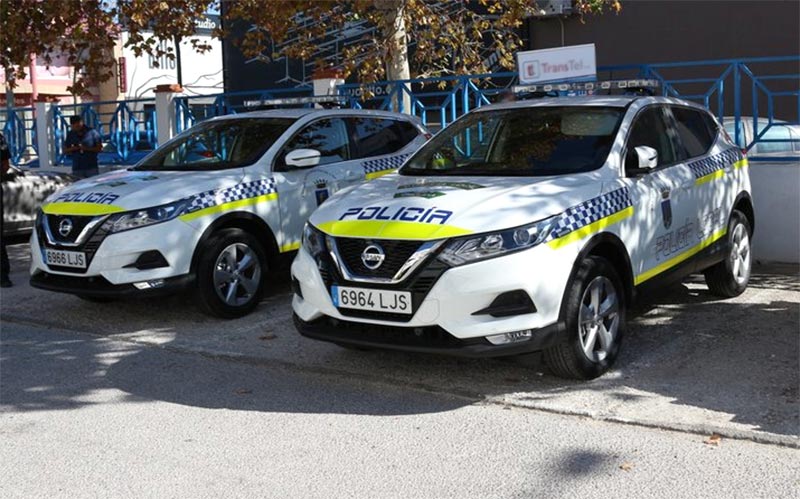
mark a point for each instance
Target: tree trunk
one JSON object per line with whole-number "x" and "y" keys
{"x": 397, "y": 63}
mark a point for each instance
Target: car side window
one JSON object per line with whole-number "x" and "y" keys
{"x": 649, "y": 129}
{"x": 696, "y": 138}
{"x": 379, "y": 136}
{"x": 328, "y": 136}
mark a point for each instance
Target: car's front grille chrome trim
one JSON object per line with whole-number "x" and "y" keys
{"x": 87, "y": 229}
{"x": 413, "y": 262}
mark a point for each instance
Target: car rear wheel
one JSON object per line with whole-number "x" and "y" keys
{"x": 595, "y": 322}
{"x": 730, "y": 277}
{"x": 230, "y": 274}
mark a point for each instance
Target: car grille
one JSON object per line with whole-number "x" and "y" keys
{"x": 89, "y": 247}
{"x": 397, "y": 253}
{"x": 419, "y": 284}
{"x": 78, "y": 224}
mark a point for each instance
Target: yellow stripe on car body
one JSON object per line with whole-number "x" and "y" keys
{"x": 680, "y": 257}
{"x": 391, "y": 230}
{"x": 374, "y": 175}
{"x": 591, "y": 228}
{"x": 290, "y": 247}
{"x": 89, "y": 209}
{"x": 711, "y": 176}
{"x": 233, "y": 205}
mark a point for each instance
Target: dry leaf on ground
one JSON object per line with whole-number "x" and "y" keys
{"x": 714, "y": 439}
{"x": 626, "y": 466}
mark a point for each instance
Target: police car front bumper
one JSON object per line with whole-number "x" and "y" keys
{"x": 99, "y": 287}
{"x": 146, "y": 260}
{"x": 433, "y": 339}
{"x": 449, "y": 318}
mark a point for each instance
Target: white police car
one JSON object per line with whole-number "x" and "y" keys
{"x": 529, "y": 226}
{"x": 213, "y": 208}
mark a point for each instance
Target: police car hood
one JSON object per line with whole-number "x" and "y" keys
{"x": 406, "y": 207}
{"x": 131, "y": 190}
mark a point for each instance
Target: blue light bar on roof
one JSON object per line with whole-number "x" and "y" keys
{"x": 587, "y": 86}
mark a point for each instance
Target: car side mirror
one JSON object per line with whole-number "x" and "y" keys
{"x": 641, "y": 160}
{"x": 303, "y": 158}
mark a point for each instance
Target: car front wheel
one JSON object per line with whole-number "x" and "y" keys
{"x": 230, "y": 274}
{"x": 595, "y": 322}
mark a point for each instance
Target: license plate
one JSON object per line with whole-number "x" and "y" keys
{"x": 74, "y": 259}
{"x": 375, "y": 300}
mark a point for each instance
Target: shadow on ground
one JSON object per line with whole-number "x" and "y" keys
{"x": 689, "y": 359}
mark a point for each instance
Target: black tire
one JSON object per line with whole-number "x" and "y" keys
{"x": 96, "y": 299}
{"x": 211, "y": 295}
{"x": 724, "y": 278}
{"x": 568, "y": 359}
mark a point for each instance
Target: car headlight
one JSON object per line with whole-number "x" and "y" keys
{"x": 128, "y": 220}
{"x": 313, "y": 240}
{"x": 470, "y": 249}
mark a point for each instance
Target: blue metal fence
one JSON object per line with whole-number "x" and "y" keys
{"x": 741, "y": 92}
{"x": 125, "y": 126}
{"x": 439, "y": 101}
{"x": 19, "y": 129}
{"x": 736, "y": 90}
{"x": 194, "y": 109}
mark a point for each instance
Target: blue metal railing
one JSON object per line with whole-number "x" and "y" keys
{"x": 733, "y": 75}
{"x": 734, "y": 89}
{"x": 439, "y": 101}
{"x": 194, "y": 109}
{"x": 436, "y": 101}
{"x": 19, "y": 129}
{"x": 126, "y": 125}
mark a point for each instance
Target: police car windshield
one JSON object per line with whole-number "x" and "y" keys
{"x": 217, "y": 145}
{"x": 530, "y": 141}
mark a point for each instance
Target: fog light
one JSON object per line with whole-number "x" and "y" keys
{"x": 512, "y": 337}
{"x": 155, "y": 283}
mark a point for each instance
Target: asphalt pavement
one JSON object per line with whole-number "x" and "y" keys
{"x": 690, "y": 362}
{"x": 86, "y": 415}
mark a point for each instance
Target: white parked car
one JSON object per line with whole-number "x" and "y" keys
{"x": 529, "y": 226}
{"x": 212, "y": 209}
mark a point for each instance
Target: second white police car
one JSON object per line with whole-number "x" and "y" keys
{"x": 529, "y": 226}
{"x": 212, "y": 209}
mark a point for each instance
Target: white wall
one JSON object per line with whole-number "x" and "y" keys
{"x": 202, "y": 73}
{"x": 776, "y": 200}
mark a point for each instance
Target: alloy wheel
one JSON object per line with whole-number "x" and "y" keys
{"x": 237, "y": 274}
{"x": 598, "y": 318}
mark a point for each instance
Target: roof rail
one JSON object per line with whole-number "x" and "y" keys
{"x": 330, "y": 100}
{"x": 643, "y": 86}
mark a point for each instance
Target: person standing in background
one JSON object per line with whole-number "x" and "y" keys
{"x": 83, "y": 143}
{"x": 5, "y": 266}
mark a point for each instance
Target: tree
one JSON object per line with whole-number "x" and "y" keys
{"x": 449, "y": 36}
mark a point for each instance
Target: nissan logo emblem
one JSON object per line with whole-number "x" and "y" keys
{"x": 65, "y": 227}
{"x": 372, "y": 257}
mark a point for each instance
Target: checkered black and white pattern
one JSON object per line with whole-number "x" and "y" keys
{"x": 711, "y": 164}
{"x": 382, "y": 164}
{"x": 590, "y": 211}
{"x": 221, "y": 196}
